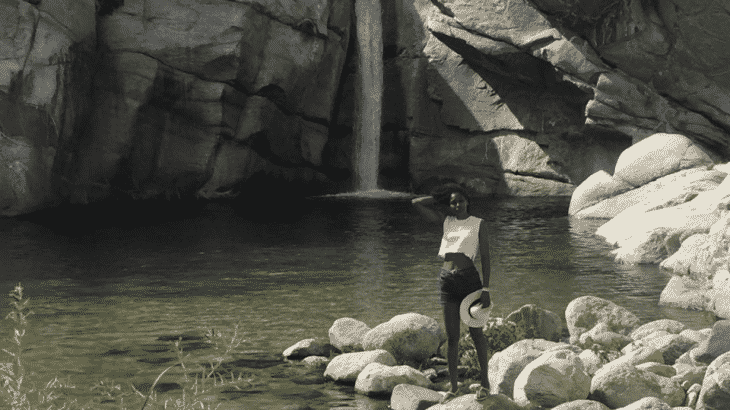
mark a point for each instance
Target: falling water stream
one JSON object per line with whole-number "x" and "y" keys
{"x": 370, "y": 94}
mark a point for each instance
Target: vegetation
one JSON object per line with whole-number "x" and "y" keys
{"x": 500, "y": 335}
{"x": 17, "y": 392}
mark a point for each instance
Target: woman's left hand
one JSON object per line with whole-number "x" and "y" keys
{"x": 486, "y": 299}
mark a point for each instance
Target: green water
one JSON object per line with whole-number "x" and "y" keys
{"x": 109, "y": 297}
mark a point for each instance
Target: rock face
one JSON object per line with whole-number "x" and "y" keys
{"x": 47, "y": 53}
{"x": 204, "y": 98}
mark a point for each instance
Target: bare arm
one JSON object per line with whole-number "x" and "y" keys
{"x": 486, "y": 261}
{"x": 429, "y": 208}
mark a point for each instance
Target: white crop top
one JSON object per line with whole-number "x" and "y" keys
{"x": 460, "y": 236}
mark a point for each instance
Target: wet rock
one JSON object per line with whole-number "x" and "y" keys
{"x": 316, "y": 361}
{"x": 346, "y": 367}
{"x": 410, "y": 337}
{"x": 410, "y": 397}
{"x": 554, "y": 378}
{"x": 618, "y": 386}
{"x": 506, "y": 366}
{"x": 585, "y": 312}
{"x": 715, "y": 393}
{"x": 308, "y": 347}
{"x": 717, "y": 344}
{"x": 347, "y": 334}
{"x": 538, "y": 323}
{"x": 378, "y": 379}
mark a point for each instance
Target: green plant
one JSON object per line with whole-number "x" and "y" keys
{"x": 500, "y": 334}
{"x": 210, "y": 377}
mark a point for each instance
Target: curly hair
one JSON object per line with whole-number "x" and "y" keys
{"x": 442, "y": 193}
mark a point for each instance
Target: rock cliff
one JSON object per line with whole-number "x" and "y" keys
{"x": 159, "y": 98}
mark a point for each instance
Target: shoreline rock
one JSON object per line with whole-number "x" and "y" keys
{"x": 664, "y": 365}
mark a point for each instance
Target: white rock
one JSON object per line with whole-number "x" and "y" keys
{"x": 505, "y": 366}
{"x": 347, "y": 334}
{"x": 554, "y": 378}
{"x": 648, "y": 403}
{"x": 585, "y": 312}
{"x": 378, "y": 379}
{"x": 346, "y": 367}
{"x": 410, "y": 337}
{"x": 623, "y": 385}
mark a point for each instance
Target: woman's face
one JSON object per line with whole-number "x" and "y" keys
{"x": 459, "y": 205}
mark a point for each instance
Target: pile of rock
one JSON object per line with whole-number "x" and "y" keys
{"x": 609, "y": 361}
{"x": 668, "y": 202}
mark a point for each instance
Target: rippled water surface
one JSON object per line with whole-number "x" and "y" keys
{"x": 108, "y": 298}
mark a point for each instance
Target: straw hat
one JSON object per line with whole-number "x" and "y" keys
{"x": 471, "y": 310}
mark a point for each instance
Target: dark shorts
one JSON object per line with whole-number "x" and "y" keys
{"x": 456, "y": 285}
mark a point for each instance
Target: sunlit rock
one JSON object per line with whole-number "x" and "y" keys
{"x": 581, "y": 405}
{"x": 410, "y": 337}
{"x": 506, "y": 365}
{"x": 346, "y": 367}
{"x": 377, "y": 379}
{"x": 347, "y": 334}
{"x": 411, "y": 397}
{"x": 658, "y": 156}
{"x": 555, "y": 377}
{"x": 618, "y": 386}
{"x": 585, "y": 312}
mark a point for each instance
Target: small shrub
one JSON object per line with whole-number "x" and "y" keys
{"x": 500, "y": 335}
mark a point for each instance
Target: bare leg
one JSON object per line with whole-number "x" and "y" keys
{"x": 480, "y": 342}
{"x": 453, "y": 322}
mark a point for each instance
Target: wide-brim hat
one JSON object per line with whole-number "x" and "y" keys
{"x": 472, "y": 313}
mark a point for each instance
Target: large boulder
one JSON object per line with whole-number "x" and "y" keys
{"x": 670, "y": 190}
{"x": 347, "y": 334}
{"x": 346, "y": 367}
{"x": 410, "y": 337}
{"x": 619, "y": 386}
{"x": 671, "y": 346}
{"x": 505, "y": 366}
{"x": 538, "y": 323}
{"x": 715, "y": 393}
{"x": 555, "y": 377}
{"x": 657, "y": 156}
{"x": 377, "y": 379}
{"x": 594, "y": 189}
{"x": 585, "y": 312}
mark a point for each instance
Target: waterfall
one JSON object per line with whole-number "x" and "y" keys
{"x": 369, "y": 94}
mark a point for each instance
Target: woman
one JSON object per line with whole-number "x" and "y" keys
{"x": 464, "y": 237}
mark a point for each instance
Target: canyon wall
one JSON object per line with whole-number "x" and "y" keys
{"x": 185, "y": 98}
